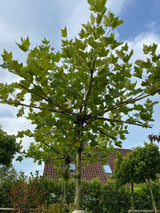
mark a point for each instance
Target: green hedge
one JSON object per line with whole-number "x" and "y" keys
{"x": 143, "y": 198}
{"x": 97, "y": 197}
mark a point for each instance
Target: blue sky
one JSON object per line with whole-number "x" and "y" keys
{"x": 38, "y": 19}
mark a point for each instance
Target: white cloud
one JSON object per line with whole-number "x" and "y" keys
{"x": 7, "y": 32}
{"x": 80, "y": 16}
{"x": 12, "y": 124}
{"x": 117, "y": 6}
{"x": 153, "y": 26}
{"x": 28, "y": 166}
{"x": 144, "y": 38}
{"x": 82, "y": 13}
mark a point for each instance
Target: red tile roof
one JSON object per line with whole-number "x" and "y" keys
{"x": 94, "y": 170}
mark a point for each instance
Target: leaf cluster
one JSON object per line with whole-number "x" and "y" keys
{"x": 139, "y": 165}
{"x": 8, "y": 148}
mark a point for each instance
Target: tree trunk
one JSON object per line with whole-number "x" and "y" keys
{"x": 152, "y": 196}
{"x": 132, "y": 198}
{"x": 66, "y": 179}
{"x": 65, "y": 191}
{"x": 78, "y": 180}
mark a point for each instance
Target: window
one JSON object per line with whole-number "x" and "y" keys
{"x": 107, "y": 169}
{"x": 72, "y": 167}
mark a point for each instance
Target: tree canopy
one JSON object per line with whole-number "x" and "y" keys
{"x": 85, "y": 95}
{"x": 8, "y": 148}
{"x": 7, "y": 173}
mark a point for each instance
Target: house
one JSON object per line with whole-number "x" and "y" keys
{"x": 95, "y": 170}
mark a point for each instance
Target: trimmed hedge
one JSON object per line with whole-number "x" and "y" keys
{"x": 97, "y": 197}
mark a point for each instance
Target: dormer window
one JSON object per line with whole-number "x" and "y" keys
{"x": 107, "y": 169}
{"x": 72, "y": 167}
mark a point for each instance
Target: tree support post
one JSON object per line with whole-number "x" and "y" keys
{"x": 152, "y": 196}
{"x": 78, "y": 179}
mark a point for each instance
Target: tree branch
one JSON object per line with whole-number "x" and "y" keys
{"x": 138, "y": 98}
{"x": 120, "y": 121}
{"x": 104, "y": 133}
{"x": 18, "y": 103}
{"x": 89, "y": 88}
{"x": 48, "y": 100}
{"x": 51, "y": 147}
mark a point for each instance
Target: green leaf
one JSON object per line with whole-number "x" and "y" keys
{"x": 64, "y": 32}
{"x": 20, "y": 112}
{"x": 19, "y": 158}
{"x": 99, "y": 18}
{"x": 125, "y": 47}
{"x": 7, "y": 56}
{"x": 92, "y": 19}
{"x": 103, "y": 162}
{"x": 14, "y": 65}
{"x": 100, "y": 31}
{"x": 97, "y": 5}
{"x": 111, "y": 21}
{"x": 25, "y": 43}
{"x": 45, "y": 41}
{"x": 112, "y": 42}
{"x": 138, "y": 72}
{"x": 5, "y": 65}
{"x": 149, "y": 48}
{"x": 108, "y": 99}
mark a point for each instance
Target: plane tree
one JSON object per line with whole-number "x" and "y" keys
{"x": 88, "y": 90}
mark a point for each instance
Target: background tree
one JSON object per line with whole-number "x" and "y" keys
{"x": 154, "y": 138}
{"x": 147, "y": 166}
{"x": 8, "y": 148}
{"x": 88, "y": 88}
{"x": 125, "y": 172}
{"x": 141, "y": 165}
{"x": 7, "y": 173}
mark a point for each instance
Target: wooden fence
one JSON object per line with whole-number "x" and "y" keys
{"x": 12, "y": 209}
{"x": 145, "y": 211}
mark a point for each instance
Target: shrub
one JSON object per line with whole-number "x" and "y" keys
{"x": 91, "y": 192}
{"x": 26, "y": 193}
{"x": 143, "y": 197}
{"x": 39, "y": 192}
{"x": 115, "y": 198}
{"x": 5, "y": 190}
